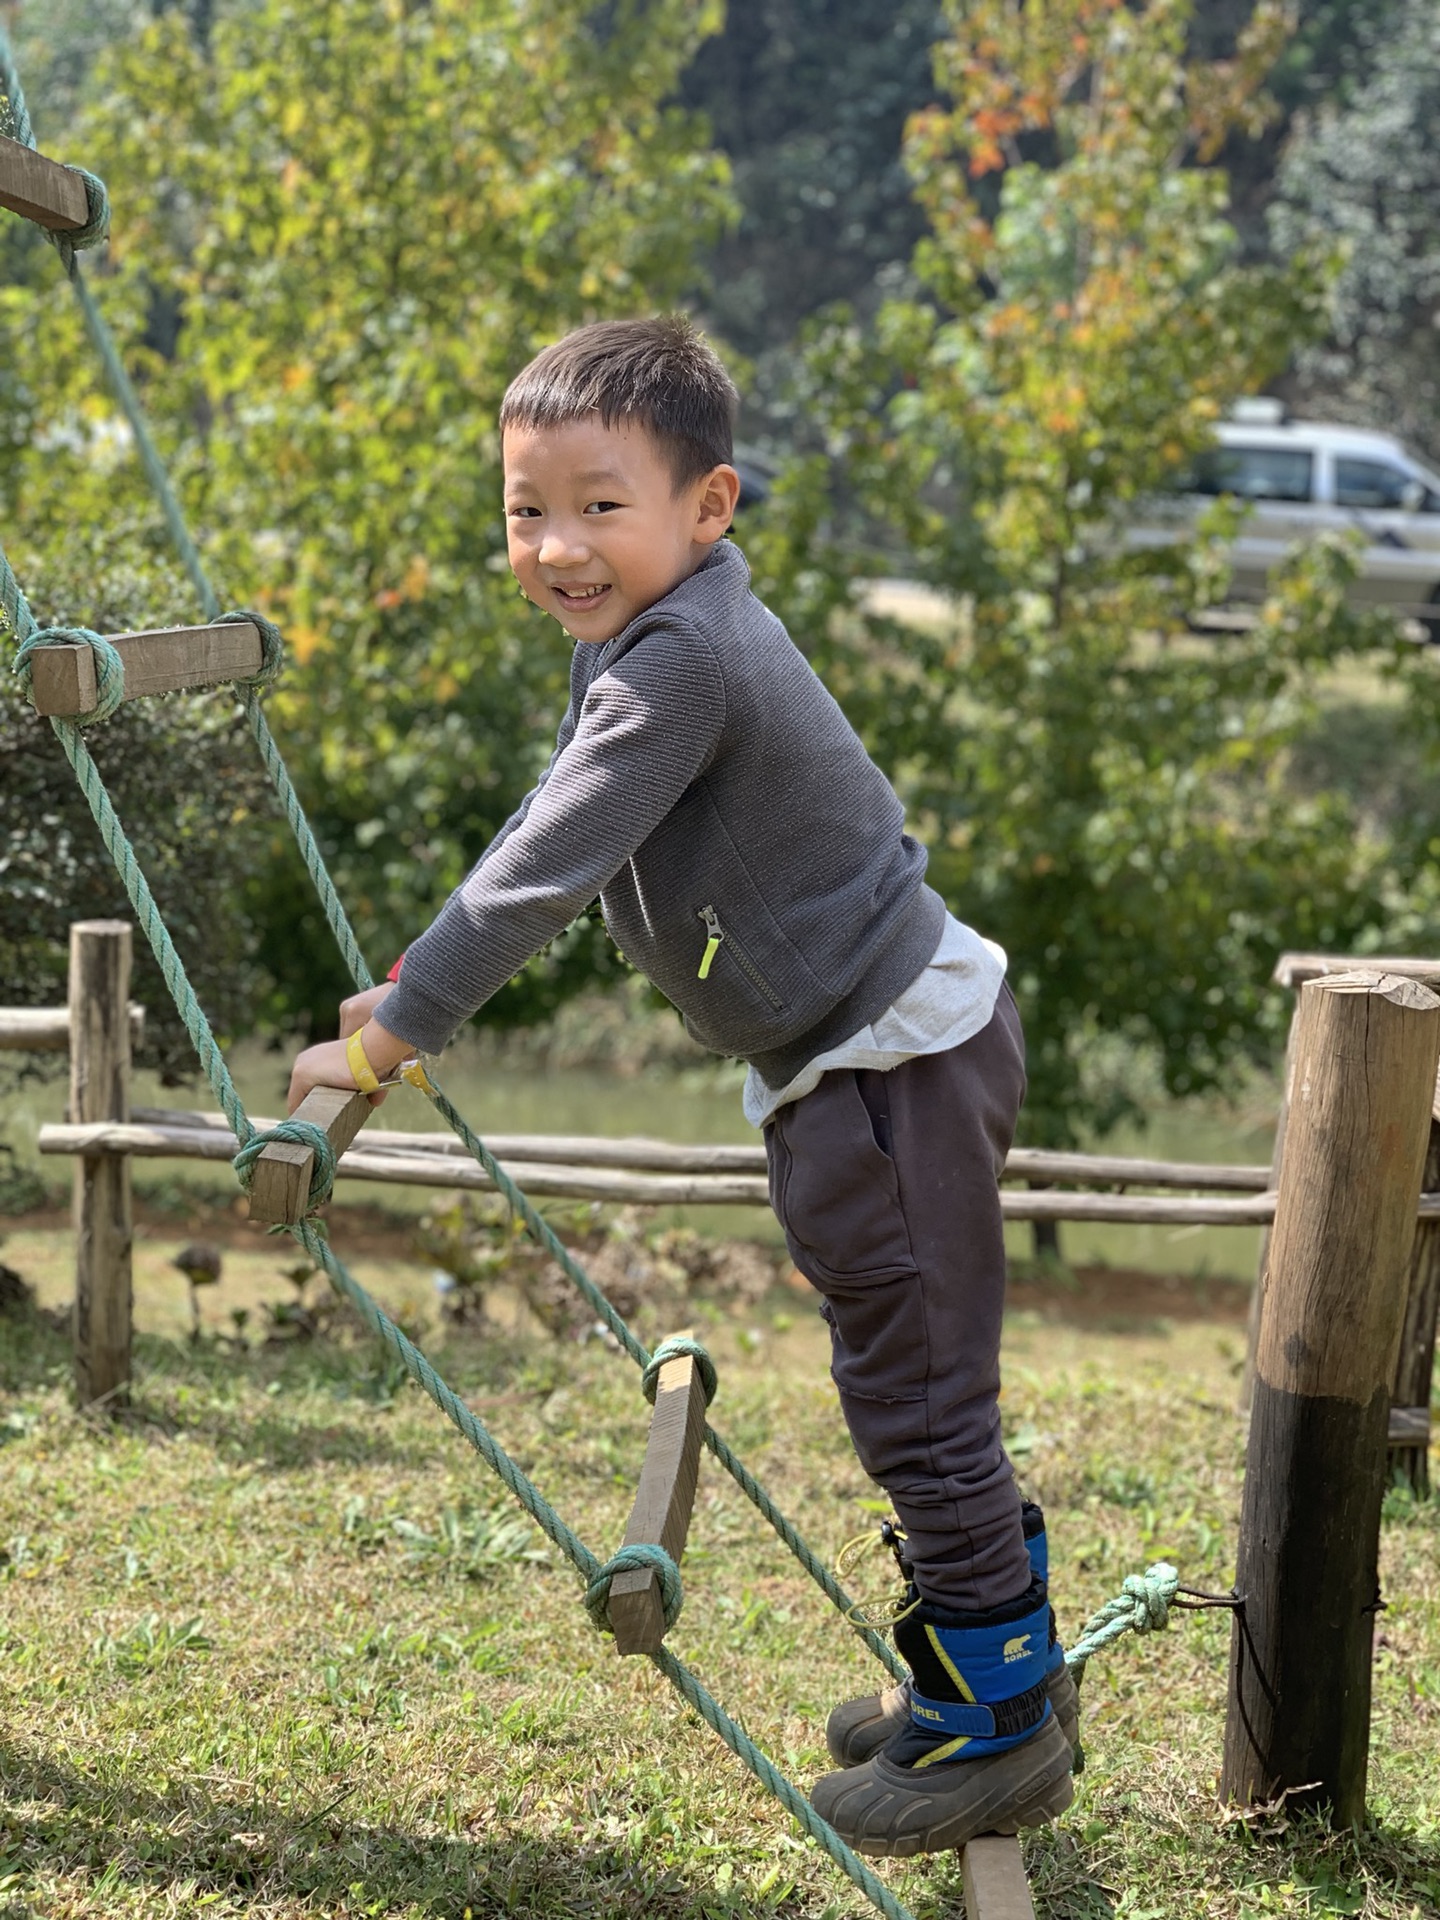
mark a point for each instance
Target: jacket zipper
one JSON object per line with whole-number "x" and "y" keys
{"x": 716, "y": 937}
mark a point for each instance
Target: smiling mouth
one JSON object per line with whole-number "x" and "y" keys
{"x": 579, "y": 598}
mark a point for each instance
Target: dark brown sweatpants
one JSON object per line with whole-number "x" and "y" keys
{"x": 887, "y": 1186}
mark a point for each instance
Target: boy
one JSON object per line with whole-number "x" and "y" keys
{"x": 751, "y": 859}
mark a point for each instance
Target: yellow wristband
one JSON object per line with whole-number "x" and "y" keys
{"x": 361, "y": 1071}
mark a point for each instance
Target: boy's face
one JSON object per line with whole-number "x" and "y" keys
{"x": 596, "y": 529}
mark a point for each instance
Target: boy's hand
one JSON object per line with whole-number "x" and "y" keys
{"x": 358, "y": 1007}
{"x": 328, "y": 1064}
{"x": 324, "y": 1065}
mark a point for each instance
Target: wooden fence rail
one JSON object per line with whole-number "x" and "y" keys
{"x": 47, "y": 1029}
{"x": 660, "y": 1173}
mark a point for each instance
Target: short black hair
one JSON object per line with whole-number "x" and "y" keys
{"x": 661, "y": 374}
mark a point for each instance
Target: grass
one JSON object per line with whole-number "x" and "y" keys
{"x": 272, "y": 1643}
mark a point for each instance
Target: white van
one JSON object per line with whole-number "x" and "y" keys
{"x": 1299, "y": 478}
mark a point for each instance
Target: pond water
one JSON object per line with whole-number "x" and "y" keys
{"x": 693, "y": 1104}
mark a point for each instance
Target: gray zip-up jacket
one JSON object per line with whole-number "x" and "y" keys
{"x": 747, "y": 853}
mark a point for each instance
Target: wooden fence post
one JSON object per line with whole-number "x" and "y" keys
{"x": 1362, "y": 1088}
{"x": 1277, "y": 1156}
{"x": 100, "y": 1090}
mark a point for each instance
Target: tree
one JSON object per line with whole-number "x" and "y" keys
{"x": 191, "y": 794}
{"x": 809, "y": 99}
{"x": 1101, "y": 792}
{"x": 1364, "y": 171}
{"x": 338, "y": 231}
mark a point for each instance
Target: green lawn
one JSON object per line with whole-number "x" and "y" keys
{"x": 273, "y": 1643}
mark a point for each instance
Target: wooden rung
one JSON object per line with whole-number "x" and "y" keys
{"x": 993, "y": 1873}
{"x": 39, "y": 189}
{"x": 160, "y": 660}
{"x": 1409, "y": 1427}
{"x": 280, "y": 1186}
{"x": 663, "y": 1501}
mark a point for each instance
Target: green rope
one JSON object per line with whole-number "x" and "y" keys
{"x": 298, "y": 1133}
{"x": 580, "y": 1556}
{"x": 109, "y": 667}
{"x": 541, "y": 1231}
{"x": 337, "y": 919}
{"x": 635, "y": 1559}
{"x": 1142, "y": 1606}
{"x": 309, "y": 1235}
{"x": 679, "y": 1348}
{"x": 96, "y": 225}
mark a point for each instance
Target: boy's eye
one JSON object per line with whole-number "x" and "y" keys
{"x": 602, "y": 506}
{"x": 522, "y": 513}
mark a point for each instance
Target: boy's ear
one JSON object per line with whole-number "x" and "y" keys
{"x": 719, "y": 494}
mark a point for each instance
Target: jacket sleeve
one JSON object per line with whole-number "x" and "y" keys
{"x": 562, "y": 740}
{"x": 646, "y": 729}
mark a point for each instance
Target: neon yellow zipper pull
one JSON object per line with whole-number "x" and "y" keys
{"x": 712, "y": 946}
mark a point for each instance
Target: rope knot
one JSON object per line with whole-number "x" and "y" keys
{"x": 1142, "y": 1606}
{"x": 1151, "y": 1593}
{"x": 70, "y": 240}
{"x": 633, "y": 1560}
{"x": 298, "y": 1133}
{"x": 109, "y": 667}
{"x": 272, "y": 644}
{"x": 676, "y": 1349}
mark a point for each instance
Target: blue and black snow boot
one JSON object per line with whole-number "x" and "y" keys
{"x": 980, "y": 1751}
{"x": 859, "y": 1728}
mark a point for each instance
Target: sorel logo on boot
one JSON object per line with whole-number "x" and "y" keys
{"x": 1017, "y": 1649}
{"x": 924, "y": 1713}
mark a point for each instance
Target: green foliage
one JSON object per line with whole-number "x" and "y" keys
{"x": 809, "y": 99}
{"x": 338, "y": 234}
{"x": 1365, "y": 171}
{"x": 1103, "y": 793}
{"x": 189, "y": 789}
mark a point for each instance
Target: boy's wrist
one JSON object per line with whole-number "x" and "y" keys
{"x": 383, "y": 1049}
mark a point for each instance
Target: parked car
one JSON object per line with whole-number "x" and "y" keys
{"x": 1299, "y": 478}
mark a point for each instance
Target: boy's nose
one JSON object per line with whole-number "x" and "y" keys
{"x": 562, "y": 548}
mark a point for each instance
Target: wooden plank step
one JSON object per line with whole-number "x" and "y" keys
{"x": 158, "y": 660}
{"x": 993, "y": 1873}
{"x": 40, "y": 189}
{"x": 663, "y": 1503}
{"x": 280, "y": 1183}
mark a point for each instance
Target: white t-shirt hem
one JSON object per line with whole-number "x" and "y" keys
{"x": 951, "y": 1001}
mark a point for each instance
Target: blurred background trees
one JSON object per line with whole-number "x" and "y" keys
{"x": 345, "y": 227}
{"x": 1102, "y": 793}
{"x": 988, "y": 275}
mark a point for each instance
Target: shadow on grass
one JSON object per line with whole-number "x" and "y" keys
{"x": 282, "y": 1423}
{"x": 187, "y": 1840}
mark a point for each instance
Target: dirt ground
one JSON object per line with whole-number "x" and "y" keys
{"x": 381, "y": 1247}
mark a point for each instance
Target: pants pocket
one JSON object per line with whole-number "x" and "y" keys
{"x": 836, "y": 1193}
{"x": 835, "y": 1189}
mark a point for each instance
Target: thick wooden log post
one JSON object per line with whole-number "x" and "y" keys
{"x": 663, "y": 1502}
{"x": 100, "y": 1090}
{"x": 1365, "y": 1050}
{"x": 1409, "y": 1454}
{"x": 1277, "y": 1156}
